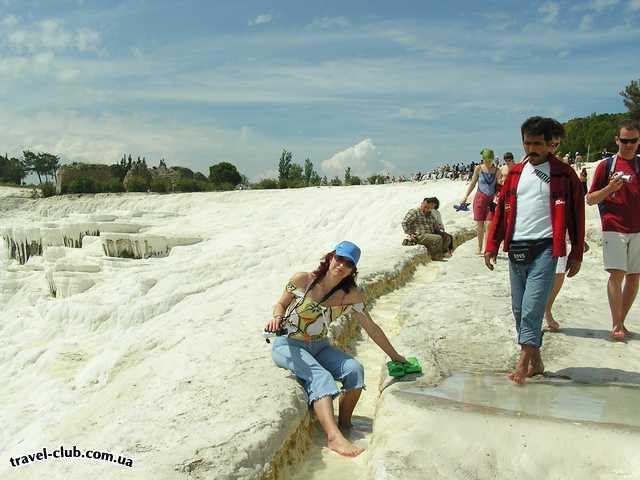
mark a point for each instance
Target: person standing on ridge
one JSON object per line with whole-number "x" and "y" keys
{"x": 541, "y": 201}
{"x": 487, "y": 176}
{"x": 616, "y": 190}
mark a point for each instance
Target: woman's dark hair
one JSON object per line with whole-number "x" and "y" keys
{"x": 346, "y": 284}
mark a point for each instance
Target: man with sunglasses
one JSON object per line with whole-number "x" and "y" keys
{"x": 616, "y": 190}
{"x": 540, "y": 202}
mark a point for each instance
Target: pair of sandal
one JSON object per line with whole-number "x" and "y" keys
{"x": 399, "y": 369}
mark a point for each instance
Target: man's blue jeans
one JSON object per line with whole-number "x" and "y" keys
{"x": 531, "y": 285}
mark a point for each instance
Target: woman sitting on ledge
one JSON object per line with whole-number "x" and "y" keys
{"x": 307, "y": 306}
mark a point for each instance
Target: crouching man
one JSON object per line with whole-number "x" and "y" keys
{"x": 422, "y": 225}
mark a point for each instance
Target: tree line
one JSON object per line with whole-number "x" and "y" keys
{"x": 14, "y": 170}
{"x": 595, "y": 135}
{"x": 295, "y": 175}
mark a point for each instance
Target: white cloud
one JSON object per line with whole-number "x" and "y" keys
{"x": 66, "y": 75}
{"x": 49, "y": 35}
{"x": 44, "y": 58}
{"x": 415, "y": 114}
{"x": 261, "y": 19}
{"x": 360, "y": 158}
{"x": 499, "y": 20}
{"x": 418, "y": 41}
{"x": 104, "y": 138}
{"x": 586, "y": 23}
{"x": 9, "y": 21}
{"x": 328, "y": 23}
{"x": 595, "y": 5}
{"x": 86, "y": 39}
{"x": 550, "y": 10}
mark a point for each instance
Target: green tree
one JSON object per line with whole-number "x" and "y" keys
{"x": 136, "y": 183}
{"x": 347, "y": 176}
{"x": 631, "y": 95}
{"x": 593, "y": 133}
{"x": 355, "y": 180}
{"x": 284, "y": 166}
{"x": 12, "y": 170}
{"x": 315, "y": 179}
{"x": 336, "y": 182}
{"x": 373, "y": 179}
{"x": 296, "y": 176}
{"x": 224, "y": 172}
{"x": 83, "y": 185}
{"x": 49, "y": 163}
{"x": 29, "y": 160}
{"x": 267, "y": 183}
{"x": 308, "y": 172}
{"x": 200, "y": 177}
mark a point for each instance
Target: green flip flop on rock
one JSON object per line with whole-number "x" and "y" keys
{"x": 399, "y": 369}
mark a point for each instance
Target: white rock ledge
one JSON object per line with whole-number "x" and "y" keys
{"x": 142, "y": 245}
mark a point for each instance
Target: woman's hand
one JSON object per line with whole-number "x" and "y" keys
{"x": 399, "y": 358}
{"x": 274, "y": 324}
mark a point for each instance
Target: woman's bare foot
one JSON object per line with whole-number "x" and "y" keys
{"x": 552, "y": 325}
{"x": 618, "y": 334}
{"x": 344, "y": 447}
{"x": 518, "y": 376}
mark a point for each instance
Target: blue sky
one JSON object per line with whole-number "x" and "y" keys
{"x": 397, "y": 86}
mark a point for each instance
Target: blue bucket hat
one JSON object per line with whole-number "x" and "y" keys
{"x": 348, "y": 250}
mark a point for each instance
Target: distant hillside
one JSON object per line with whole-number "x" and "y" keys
{"x": 594, "y": 133}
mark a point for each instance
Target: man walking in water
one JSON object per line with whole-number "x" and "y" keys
{"x": 616, "y": 190}
{"x": 540, "y": 202}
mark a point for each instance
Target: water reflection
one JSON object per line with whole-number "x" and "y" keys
{"x": 543, "y": 397}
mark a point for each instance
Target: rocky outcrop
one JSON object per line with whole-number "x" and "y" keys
{"x": 141, "y": 245}
{"x": 68, "y": 173}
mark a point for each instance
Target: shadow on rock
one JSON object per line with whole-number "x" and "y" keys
{"x": 598, "y": 376}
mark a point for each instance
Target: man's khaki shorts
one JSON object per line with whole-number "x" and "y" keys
{"x": 621, "y": 251}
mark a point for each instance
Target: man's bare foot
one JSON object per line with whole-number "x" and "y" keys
{"x": 344, "y": 447}
{"x": 518, "y": 376}
{"x": 536, "y": 368}
{"x": 627, "y": 333}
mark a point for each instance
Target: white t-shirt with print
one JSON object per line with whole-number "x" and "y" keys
{"x": 533, "y": 215}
